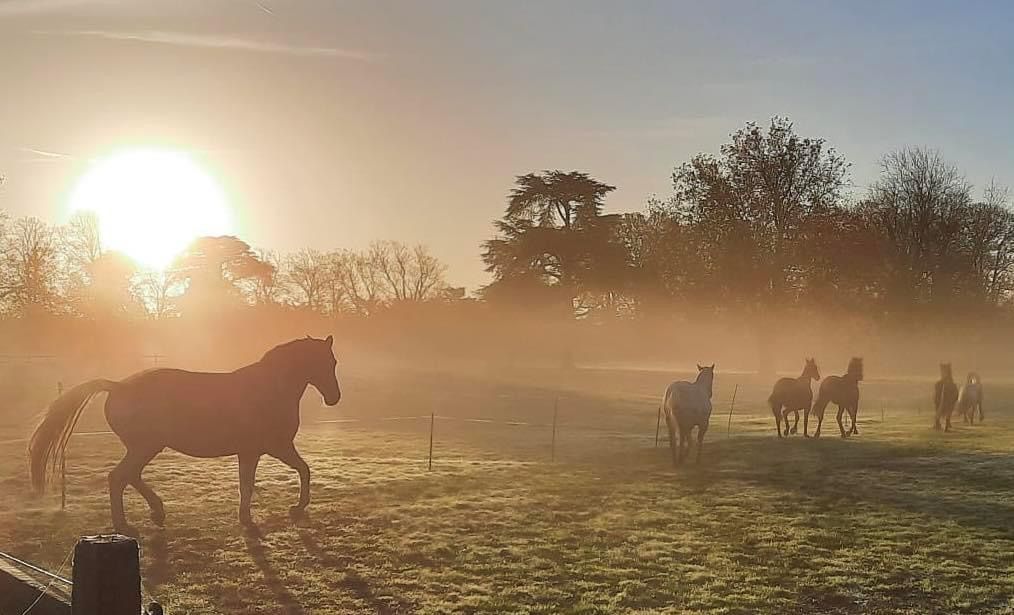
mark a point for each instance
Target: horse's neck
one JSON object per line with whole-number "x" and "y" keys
{"x": 805, "y": 376}
{"x": 284, "y": 385}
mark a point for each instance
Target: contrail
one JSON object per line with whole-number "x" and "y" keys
{"x": 264, "y": 8}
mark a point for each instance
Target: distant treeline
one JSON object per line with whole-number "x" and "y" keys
{"x": 768, "y": 233}
{"x": 770, "y": 227}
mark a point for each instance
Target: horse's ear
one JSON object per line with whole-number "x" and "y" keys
{"x": 712, "y": 368}
{"x": 699, "y": 368}
{"x": 330, "y": 340}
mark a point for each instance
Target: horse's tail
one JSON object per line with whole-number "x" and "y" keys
{"x": 48, "y": 443}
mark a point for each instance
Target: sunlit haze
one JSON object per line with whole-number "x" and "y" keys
{"x": 151, "y": 203}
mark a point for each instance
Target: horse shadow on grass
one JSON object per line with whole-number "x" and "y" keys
{"x": 352, "y": 581}
{"x": 252, "y": 536}
{"x": 965, "y": 487}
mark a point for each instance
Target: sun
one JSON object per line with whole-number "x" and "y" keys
{"x": 151, "y": 203}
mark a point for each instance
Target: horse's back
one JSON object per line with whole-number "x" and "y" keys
{"x": 688, "y": 402}
{"x": 203, "y": 414}
{"x": 970, "y": 394}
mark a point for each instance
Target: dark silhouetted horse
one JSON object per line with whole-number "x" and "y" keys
{"x": 250, "y": 412}
{"x": 970, "y": 399}
{"x": 688, "y": 405}
{"x": 843, "y": 391}
{"x": 793, "y": 395}
{"x": 945, "y": 395}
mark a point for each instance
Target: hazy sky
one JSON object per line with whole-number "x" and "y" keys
{"x": 335, "y": 123}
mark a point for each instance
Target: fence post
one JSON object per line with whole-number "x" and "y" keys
{"x": 556, "y": 407}
{"x": 728, "y": 428}
{"x": 432, "y": 419}
{"x": 107, "y": 576}
{"x": 658, "y": 425}
{"x": 63, "y": 461}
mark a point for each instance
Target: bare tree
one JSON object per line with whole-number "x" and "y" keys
{"x": 29, "y": 267}
{"x": 82, "y": 240}
{"x": 159, "y": 291}
{"x": 307, "y": 271}
{"x": 409, "y": 274}
{"x": 269, "y": 286}
{"x": 359, "y": 280}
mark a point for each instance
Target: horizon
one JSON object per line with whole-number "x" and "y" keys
{"x": 333, "y": 126}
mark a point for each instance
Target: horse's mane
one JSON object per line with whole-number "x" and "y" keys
{"x": 282, "y": 350}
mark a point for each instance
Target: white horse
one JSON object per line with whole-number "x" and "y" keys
{"x": 688, "y": 405}
{"x": 970, "y": 398}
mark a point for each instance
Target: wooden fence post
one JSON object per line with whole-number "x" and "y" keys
{"x": 433, "y": 417}
{"x": 728, "y": 428}
{"x": 658, "y": 425}
{"x": 556, "y": 407}
{"x": 63, "y": 461}
{"x": 107, "y": 576}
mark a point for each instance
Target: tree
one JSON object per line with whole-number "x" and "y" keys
{"x": 750, "y": 208}
{"x": 271, "y": 285}
{"x": 407, "y": 274}
{"x": 159, "y": 291}
{"x": 920, "y": 203}
{"x": 552, "y": 234}
{"x": 82, "y": 240}
{"x": 29, "y": 267}
{"x": 212, "y": 268}
{"x": 308, "y": 271}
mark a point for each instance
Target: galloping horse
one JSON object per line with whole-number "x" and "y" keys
{"x": 971, "y": 398}
{"x": 688, "y": 405}
{"x": 945, "y": 395}
{"x": 250, "y": 412}
{"x": 842, "y": 391}
{"x": 793, "y": 395}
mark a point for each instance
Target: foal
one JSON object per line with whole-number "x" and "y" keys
{"x": 793, "y": 395}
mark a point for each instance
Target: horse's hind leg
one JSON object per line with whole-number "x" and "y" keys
{"x": 673, "y": 442}
{"x": 853, "y": 412}
{"x": 127, "y": 471}
{"x": 795, "y": 425}
{"x": 776, "y": 410}
{"x": 291, "y": 457}
{"x": 154, "y": 502}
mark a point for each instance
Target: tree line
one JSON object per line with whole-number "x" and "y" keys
{"x": 770, "y": 226}
{"x": 66, "y": 270}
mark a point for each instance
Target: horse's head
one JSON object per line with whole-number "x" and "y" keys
{"x": 811, "y": 371}
{"x": 945, "y": 372}
{"x": 322, "y": 369}
{"x": 706, "y": 376}
{"x": 856, "y": 368}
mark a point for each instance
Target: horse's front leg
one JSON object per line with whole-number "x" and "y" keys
{"x": 841, "y": 426}
{"x": 854, "y": 412}
{"x": 247, "y": 472}
{"x": 291, "y": 457}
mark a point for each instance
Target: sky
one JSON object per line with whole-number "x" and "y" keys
{"x": 334, "y": 123}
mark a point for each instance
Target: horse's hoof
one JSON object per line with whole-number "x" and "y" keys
{"x": 126, "y": 529}
{"x": 793, "y": 431}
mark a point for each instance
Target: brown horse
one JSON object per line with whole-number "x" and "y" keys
{"x": 793, "y": 395}
{"x": 250, "y": 412}
{"x": 843, "y": 391}
{"x": 945, "y": 395}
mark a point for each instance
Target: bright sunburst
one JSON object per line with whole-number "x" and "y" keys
{"x": 151, "y": 203}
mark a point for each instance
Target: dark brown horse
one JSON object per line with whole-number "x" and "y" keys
{"x": 793, "y": 395}
{"x": 945, "y": 396}
{"x": 250, "y": 412}
{"x": 843, "y": 391}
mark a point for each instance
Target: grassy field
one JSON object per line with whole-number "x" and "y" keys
{"x": 900, "y": 519}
